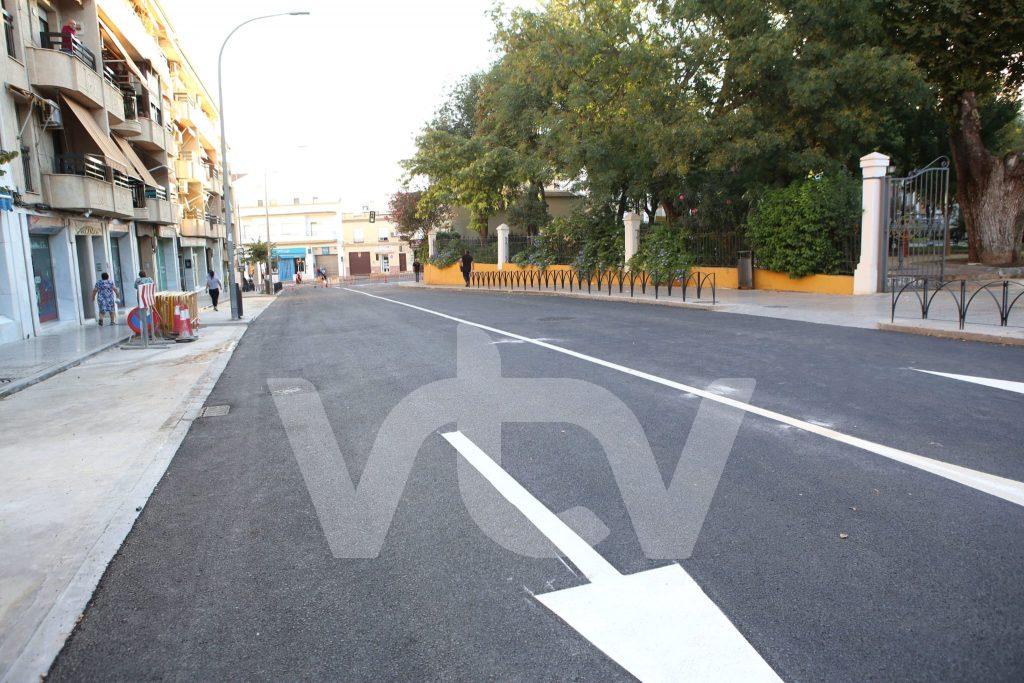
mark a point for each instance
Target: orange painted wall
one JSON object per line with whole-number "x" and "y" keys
{"x": 725, "y": 278}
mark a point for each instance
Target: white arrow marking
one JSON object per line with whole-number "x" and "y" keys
{"x": 1017, "y": 387}
{"x": 658, "y": 625}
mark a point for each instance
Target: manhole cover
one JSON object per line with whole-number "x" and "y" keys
{"x": 215, "y": 411}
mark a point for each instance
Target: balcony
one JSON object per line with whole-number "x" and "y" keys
{"x": 70, "y": 71}
{"x": 152, "y": 135}
{"x": 84, "y": 182}
{"x": 196, "y": 227}
{"x": 189, "y": 169}
{"x": 152, "y": 206}
{"x": 212, "y": 179}
{"x": 188, "y": 112}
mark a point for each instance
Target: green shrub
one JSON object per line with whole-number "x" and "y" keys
{"x": 447, "y": 255}
{"x": 662, "y": 253}
{"x": 801, "y": 229}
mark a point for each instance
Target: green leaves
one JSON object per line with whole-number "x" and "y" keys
{"x": 803, "y": 228}
{"x": 662, "y": 253}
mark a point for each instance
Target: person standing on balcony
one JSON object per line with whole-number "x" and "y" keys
{"x": 105, "y": 294}
{"x": 213, "y": 287}
{"x": 467, "y": 266}
{"x": 69, "y": 34}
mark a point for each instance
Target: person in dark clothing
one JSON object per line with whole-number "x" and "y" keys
{"x": 467, "y": 266}
{"x": 416, "y": 268}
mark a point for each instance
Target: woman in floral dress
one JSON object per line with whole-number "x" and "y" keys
{"x": 105, "y": 294}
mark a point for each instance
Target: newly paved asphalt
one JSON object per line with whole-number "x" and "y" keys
{"x": 228, "y": 575}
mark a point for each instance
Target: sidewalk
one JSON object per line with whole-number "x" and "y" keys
{"x": 24, "y": 363}
{"x": 865, "y": 311}
{"x": 82, "y": 452}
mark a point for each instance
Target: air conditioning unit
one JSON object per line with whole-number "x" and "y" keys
{"x": 50, "y": 112}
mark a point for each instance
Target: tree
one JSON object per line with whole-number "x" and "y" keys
{"x": 462, "y": 166}
{"x": 404, "y": 208}
{"x": 971, "y": 52}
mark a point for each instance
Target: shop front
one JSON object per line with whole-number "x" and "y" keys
{"x": 289, "y": 261}
{"x": 55, "y": 287}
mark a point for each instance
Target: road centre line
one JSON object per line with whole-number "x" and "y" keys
{"x": 1000, "y": 487}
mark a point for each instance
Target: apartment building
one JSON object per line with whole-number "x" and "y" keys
{"x": 304, "y": 233}
{"x": 370, "y": 244}
{"x": 117, "y": 166}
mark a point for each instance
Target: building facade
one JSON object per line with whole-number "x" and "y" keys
{"x": 370, "y": 244}
{"x": 304, "y": 233}
{"x": 117, "y": 167}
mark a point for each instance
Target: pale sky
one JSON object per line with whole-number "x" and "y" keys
{"x": 353, "y": 83}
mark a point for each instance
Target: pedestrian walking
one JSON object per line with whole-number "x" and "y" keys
{"x": 142, "y": 279}
{"x": 467, "y": 266}
{"x": 416, "y": 268}
{"x": 213, "y": 287}
{"x": 106, "y": 295}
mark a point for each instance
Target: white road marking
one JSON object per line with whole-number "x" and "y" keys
{"x": 1017, "y": 387}
{"x": 1001, "y": 487}
{"x": 658, "y": 625}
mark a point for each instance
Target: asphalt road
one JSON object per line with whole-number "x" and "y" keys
{"x": 834, "y": 562}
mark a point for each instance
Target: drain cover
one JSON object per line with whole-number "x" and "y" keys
{"x": 556, "y": 318}
{"x": 215, "y": 411}
{"x": 6, "y": 380}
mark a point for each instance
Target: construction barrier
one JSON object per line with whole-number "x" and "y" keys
{"x": 165, "y": 304}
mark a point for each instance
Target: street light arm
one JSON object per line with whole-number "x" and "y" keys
{"x": 225, "y": 169}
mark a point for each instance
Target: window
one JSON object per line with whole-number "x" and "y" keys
{"x": 259, "y": 202}
{"x": 357, "y": 235}
{"x": 295, "y": 200}
{"x": 26, "y": 167}
{"x": 383, "y": 234}
{"x": 9, "y": 32}
{"x": 325, "y": 251}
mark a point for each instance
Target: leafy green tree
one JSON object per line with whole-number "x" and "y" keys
{"x": 971, "y": 53}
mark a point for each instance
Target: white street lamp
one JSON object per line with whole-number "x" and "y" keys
{"x": 236, "y": 300}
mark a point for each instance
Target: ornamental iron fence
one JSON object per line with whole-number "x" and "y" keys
{"x": 1004, "y": 294}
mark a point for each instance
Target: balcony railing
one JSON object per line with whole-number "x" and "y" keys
{"x": 156, "y": 192}
{"x": 88, "y": 165}
{"x": 69, "y": 44}
{"x": 212, "y": 217}
{"x": 131, "y": 107}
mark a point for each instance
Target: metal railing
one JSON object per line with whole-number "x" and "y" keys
{"x": 1004, "y": 294}
{"x": 602, "y": 280}
{"x": 157, "y": 192}
{"x": 70, "y": 45}
{"x": 88, "y": 165}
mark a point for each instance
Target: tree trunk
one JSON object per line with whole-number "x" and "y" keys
{"x": 990, "y": 191}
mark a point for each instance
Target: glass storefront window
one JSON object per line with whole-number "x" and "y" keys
{"x": 42, "y": 270}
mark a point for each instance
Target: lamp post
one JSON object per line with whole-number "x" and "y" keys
{"x": 236, "y": 300}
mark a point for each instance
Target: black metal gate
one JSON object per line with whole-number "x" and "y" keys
{"x": 918, "y": 212}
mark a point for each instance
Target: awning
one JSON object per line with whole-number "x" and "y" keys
{"x": 136, "y": 162}
{"x": 102, "y": 140}
{"x": 108, "y": 34}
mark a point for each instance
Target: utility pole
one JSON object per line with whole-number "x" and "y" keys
{"x": 269, "y": 280}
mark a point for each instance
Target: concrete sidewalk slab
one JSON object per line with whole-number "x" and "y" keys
{"x": 24, "y": 363}
{"x": 867, "y": 312}
{"x": 90, "y": 446}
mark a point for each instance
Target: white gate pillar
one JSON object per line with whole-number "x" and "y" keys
{"x": 632, "y": 222}
{"x": 431, "y": 244}
{"x": 502, "y": 245}
{"x": 867, "y": 277}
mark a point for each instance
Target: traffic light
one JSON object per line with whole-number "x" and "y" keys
{"x": 373, "y": 216}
